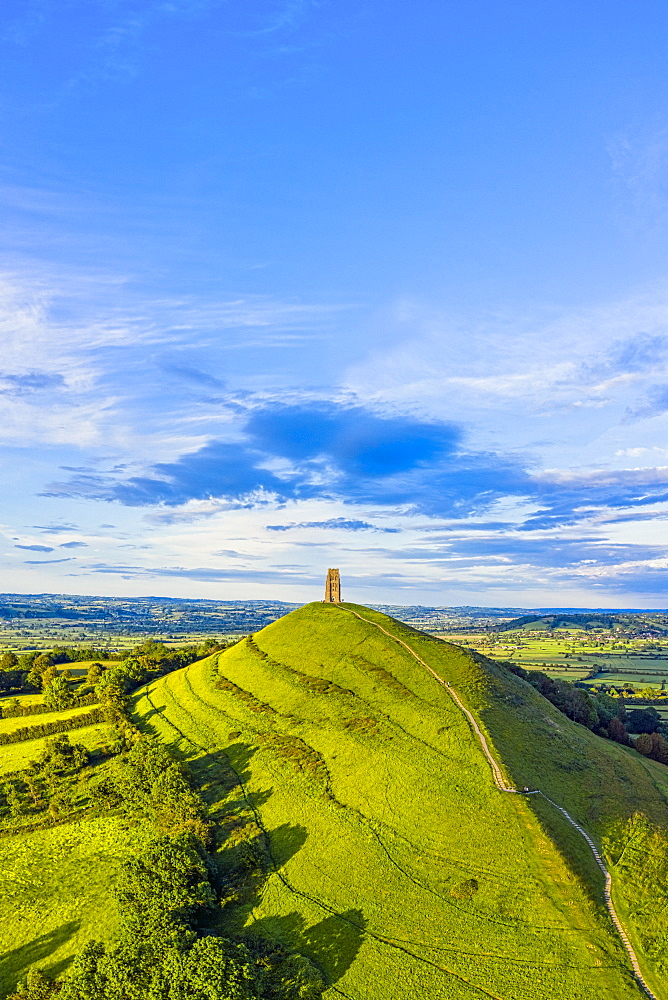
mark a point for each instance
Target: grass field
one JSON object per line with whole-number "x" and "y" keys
{"x": 28, "y": 721}
{"x": 54, "y": 892}
{"x": 397, "y": 865}
{"x": 80, "y": 668}
{"x": 23, "y": 699}
{"x": 17, "y": 756}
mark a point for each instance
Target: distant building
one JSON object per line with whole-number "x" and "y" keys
{"x": 333, "y": 587}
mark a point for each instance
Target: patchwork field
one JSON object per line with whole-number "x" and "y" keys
{"x": 575, "y": 656}
{"x": 343, "y": 769}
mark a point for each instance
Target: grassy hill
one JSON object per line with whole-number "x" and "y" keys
{"x": 373, "y": 840}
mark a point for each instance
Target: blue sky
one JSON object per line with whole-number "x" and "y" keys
{"x": 299, "y": 283}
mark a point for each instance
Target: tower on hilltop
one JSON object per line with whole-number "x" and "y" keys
{"x": 333, "y": 587}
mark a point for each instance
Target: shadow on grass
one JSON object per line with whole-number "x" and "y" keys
{"x": 220, "y": 772}
{"x": 286, "y": 840}
{"x": 332, "y": 944}
{"x": 244, "y": 861}
{"x": 15, "y": 964}
{"x": 216, "y": 773}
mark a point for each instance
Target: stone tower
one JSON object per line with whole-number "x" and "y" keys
{"x": 333, "y": 587}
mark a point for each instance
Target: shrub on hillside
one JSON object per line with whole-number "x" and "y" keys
{"x": 652, "y": 745}
{"x": 35, "y": 987}
{"x": 164, "y": 895}
{"x": 46, "y": 783}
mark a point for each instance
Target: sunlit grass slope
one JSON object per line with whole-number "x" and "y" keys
{"x": 396, "y": 864}
{"x": 55, "y": 892}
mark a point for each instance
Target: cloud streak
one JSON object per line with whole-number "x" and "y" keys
{"x": 337, "y": 523}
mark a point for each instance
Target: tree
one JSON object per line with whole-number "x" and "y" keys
{"x": 16, "y": 799}
{"x": 57, "y": 694}
{"x": 617, "y": 732}
{"x": 35, "y": 786}
{"x": 643, "y": 720}
{"x": 8, "y": 661}
{"x": 659, "y": 749}
{"x": 93, "y": 674}
{"x": 208, "y": 968}
{"x": 48, "y": 674}
{"x": 643, "y": 744}
{"x": 36, "y": 986}
{"x": 164, "y": 888}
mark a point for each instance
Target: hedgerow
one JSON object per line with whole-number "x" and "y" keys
{"x": 49, "y": 728}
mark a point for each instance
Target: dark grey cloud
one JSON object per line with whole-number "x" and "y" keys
{"x": 651, "y": 581}
{"x": 187, "y": 373}
{"x": 233, "y": 554}
{"x": 634, "y": 516}
{"x": 570, "y": 501}
{"x": 280, "y": 573}
{"x": 473, "y": 526}
{"x": 351, "y": 454}
{"x": 557, "y": 552}
{"x": 345, "y": 524}
{"x": 334, "y": 451}
{"x": 283, "y": 574}
{"x": 353, "y": 439}
{"x": 35, "y": 548}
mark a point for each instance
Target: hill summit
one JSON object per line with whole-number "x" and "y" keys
{"x": 354, "y": 790}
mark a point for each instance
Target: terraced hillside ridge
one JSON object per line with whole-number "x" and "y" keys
{"x": 355, "y": 793}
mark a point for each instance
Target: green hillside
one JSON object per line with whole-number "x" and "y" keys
{"x": 361, "y": 808}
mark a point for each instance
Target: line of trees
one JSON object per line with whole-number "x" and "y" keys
{"x": 49, "y": 728}
{"x": 33, "y": 670}
{"x": 602, "y": 714}
{"x": 13, "y": 709}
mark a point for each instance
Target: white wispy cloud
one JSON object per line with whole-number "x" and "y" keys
{"x": 575, "y": 388}
{"x": 82, "y": 360}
